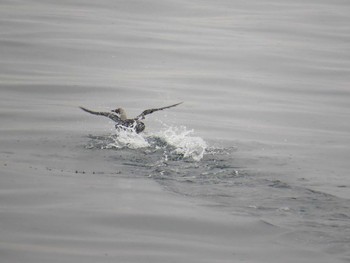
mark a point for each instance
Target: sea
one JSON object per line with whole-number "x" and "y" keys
{"x": 264, "y": 127}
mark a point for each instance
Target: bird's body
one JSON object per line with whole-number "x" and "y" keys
{"x": 136, "y": 125}
{"x": 122, "y": 122}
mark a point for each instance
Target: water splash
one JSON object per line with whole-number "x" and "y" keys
{"x": 127, "y": 138}
{"x": 183, "y": 142}
{"x": 174, "y": 141}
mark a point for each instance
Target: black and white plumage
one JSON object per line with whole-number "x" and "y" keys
{"x": 122, "y": 121}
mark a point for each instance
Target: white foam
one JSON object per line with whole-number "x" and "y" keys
{"x": 179, "y": 138}
{"x": 185, "y": 144}
{"x": 128, "y": 138}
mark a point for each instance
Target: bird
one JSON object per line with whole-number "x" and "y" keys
{"x": 123, "y": 122}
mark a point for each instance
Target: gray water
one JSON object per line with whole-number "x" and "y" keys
{"x": 265, "y": 87}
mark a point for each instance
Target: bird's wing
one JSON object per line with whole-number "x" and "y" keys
{"x": 144, "y": 113}
{"x": 110, "y": 115}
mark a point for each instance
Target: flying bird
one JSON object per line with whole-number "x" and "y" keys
{"x": 122, "y": 121}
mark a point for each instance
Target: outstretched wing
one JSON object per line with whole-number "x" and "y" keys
{"x": 110, "y": 115}
{"x": 146, "y": 112}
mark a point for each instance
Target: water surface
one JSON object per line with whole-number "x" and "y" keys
{"x": 263, "y": 131}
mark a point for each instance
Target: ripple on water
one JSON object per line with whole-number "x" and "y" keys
{"x": 183, "y": 163}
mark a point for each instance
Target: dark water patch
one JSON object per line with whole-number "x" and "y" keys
{"x": 279, "y": 184}
{"x": 220, "y": 177}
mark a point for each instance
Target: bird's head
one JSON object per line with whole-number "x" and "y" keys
{"x": 117, "y": 110}
{"x": 120, "y": 112}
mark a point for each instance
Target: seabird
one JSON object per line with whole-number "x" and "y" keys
{"x": 119, "y": 116}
